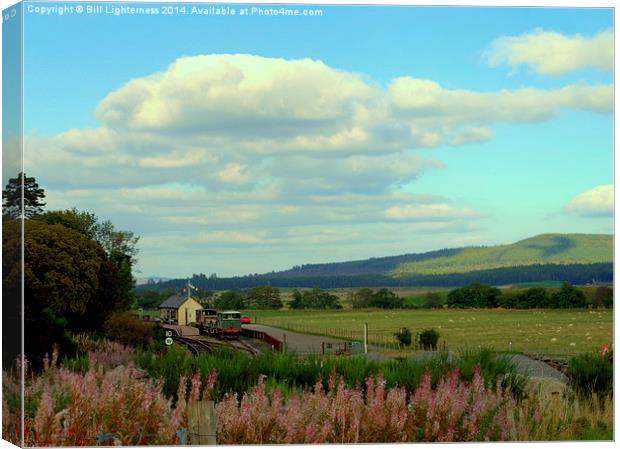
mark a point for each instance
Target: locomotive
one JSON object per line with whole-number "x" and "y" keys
{"x": 224, "y": 325}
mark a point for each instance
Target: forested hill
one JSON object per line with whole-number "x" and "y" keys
{"x": 575, "y": 258}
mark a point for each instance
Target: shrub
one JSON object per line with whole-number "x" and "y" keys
{"x": 403, "y": 336}
{"x": 128, "y": 329}
{"x": 429, "y": 339}
{"x": 591, "y": 373}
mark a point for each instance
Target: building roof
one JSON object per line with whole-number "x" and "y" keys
{"x": 174, "y": 302}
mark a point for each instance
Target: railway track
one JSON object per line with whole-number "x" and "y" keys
{"x": 243, "y": 346}
{"x": 196, "y": 346}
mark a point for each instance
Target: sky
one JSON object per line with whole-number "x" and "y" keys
{"x": 246, "y": 144}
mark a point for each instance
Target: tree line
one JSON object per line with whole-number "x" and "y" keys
{"x": 572, "y": 273}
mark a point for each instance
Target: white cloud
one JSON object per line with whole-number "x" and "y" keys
{"x": 210, "y": 91}
{"x": 596, "y": 202}
{"x": 551, "y": 53}
{"x": 471, "y": 135}
{"x": 428, "y": 102}
{"x": 234, "y": 174}
{"x": 239, "y": 149}
{"x": 429, "y": 212}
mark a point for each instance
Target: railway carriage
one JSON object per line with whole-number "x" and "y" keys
{"x": 224, "y": 324}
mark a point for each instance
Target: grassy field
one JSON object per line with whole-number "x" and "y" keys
{"x": 561, "y": 332}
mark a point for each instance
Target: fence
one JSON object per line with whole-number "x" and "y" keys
{"x": 274, "y": 342}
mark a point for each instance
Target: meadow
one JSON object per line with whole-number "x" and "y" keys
{"x": 554, "y": 332}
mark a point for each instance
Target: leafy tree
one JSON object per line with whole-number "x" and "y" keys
{"x": 104, "y": 232}
{"x": 297, "y": 302}
{"x": 148, "y": 299}
{"x": 12, "y": 197}
{"x": 603, "y": 297}
{"x": 314, "y": 299}
{"x": 119, "y": 246}
{"x": 568, "y": 297}
{"x": 433, "y": 301}
{"x": 533, "y": 298}
{"x": 474, "y": 295}
{"x": 386, "y": 299}
{"x": 362, "y": 298}
{"x": 65, "y": 288}
{"x": 264, "y": 297}
{"x": 11, "y": 290}
{"x": 230, "y": 300}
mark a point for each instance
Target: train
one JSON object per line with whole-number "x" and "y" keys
{"x": 221, "y": 324}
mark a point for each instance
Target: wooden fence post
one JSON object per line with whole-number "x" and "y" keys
{"x": 365, "y": 338}
{"x": 201, "y": 423}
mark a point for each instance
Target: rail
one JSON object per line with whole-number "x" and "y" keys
{"x": 274, "y": 342}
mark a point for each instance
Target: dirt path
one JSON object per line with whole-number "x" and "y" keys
{"x": 295, "y": 342}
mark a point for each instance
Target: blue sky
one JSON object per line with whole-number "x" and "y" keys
{"x": 369, "y": 131}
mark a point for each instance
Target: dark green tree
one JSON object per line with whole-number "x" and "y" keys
{"x": 264, "y": 297}
{"x": 65, "y": 289}
{"x": 568, "y": 297}
{"x": 297, "y": 301}
{"x": 603, "y": 297}
{"x": 12, "y": 197}
{"x": 474, "y": 295}
{"x": 433, "y": 300}
{"x": 386, "y": 299}
{"x": 111, "y": 239}
{"x": 361, "y": 298}
{"x": 119, "y": 246}
{"x": 230, "y": 300}
{"x": 533, "y": 298}
{"x": 315, "y": 298}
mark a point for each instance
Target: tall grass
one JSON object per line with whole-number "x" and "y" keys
{"x": 591, "y": 374}
{"x": 238, "y": 373}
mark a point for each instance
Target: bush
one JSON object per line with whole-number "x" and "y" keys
{"x": 403, "y": 336}
{"x": 127, "y": 328}
{"x": 591, "y": 373}
{"x": 429, "y": 339}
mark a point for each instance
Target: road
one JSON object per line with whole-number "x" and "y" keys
{"x": 296, "y": 342}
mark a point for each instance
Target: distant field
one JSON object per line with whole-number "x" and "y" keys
{"x": 530, "y": 331}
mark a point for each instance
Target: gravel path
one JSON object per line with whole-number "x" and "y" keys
{"x": 536, "y": 368}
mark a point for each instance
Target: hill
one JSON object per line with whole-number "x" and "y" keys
{"x": 575, "y": 258}
{"x": 553, "y": 249}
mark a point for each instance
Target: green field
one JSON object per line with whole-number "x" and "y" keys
{"x": 542, "y": 249}
{"x": 561, "y": 332}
